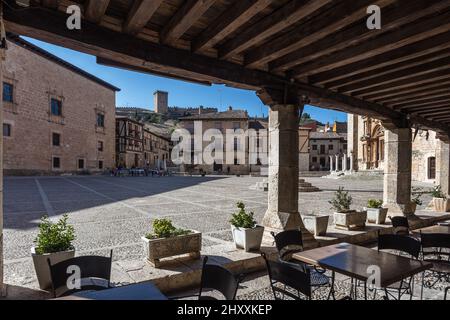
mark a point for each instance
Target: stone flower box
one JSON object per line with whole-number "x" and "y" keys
{"x": 248, "y": 239}
{"x": 376, "y": 215}
{"x": 157, "y": 249}
{"x": 317, "y": 225}
{"x": 41, "y": 265}
{"x": 351, "y": 220}
{"x": 441, "y": 205}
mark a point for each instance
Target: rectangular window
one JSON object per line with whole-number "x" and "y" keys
{"x": 314, "y": 146}
{"x": 80, "y": 163}
{"x": 56, "y": 139}
{"x": 322, "y": 149}
{"x": 100, "y": 164}
{"x": 314, "y": 159}
{"x": 101, "y": 120}
{"x": 6, "y": 130}
{"x": 56, "y": 107}
{"x": 330, "y": 147}
{"x": 8, "y": 91}
{"x": 100, "y": 146}
{"x": 56, "y": 163}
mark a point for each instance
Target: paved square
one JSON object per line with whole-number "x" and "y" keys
{"x": 113, "y": 213}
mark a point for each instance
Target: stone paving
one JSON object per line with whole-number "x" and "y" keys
{"x": 113, "y": 213}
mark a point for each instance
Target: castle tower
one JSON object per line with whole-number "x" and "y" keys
{"x": 161, "y": 102}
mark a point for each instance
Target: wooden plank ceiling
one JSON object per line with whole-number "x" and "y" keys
{"x": 399, "y": 74}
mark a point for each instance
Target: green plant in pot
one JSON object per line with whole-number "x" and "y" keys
{"x": 168, "y": 241}
{"x": 55, "y": 242}
{"x": 247, "y": 234}
{"x": 441, "y": 203}
{"x": 344, "y": 217}
{"x": 375, "y": 211}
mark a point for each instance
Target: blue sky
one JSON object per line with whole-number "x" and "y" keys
{"x": 137, "y": 88}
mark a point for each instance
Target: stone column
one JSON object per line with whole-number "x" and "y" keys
{"x": 344, "y": 162}
{"x": 351, "y": 162}
{"x": 397, "y": 171}
{"x": 282, "y": 213}
{"x": 443, "y": 166}
{"x": 331, "y": 164}
{"x": 337, "y": 163}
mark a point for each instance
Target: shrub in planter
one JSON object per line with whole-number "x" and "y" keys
{"x": 417, "y": 198}
{"x": 168, "y": 241}
{"x": 375, "y": 211}
{"x": 343, "y": 216}
{"x": 440, "y": 201}
{"x": 54, "y": 242}
{"x": 247, "y": 234}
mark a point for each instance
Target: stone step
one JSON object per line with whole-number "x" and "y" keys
{"x": 308, "y": 189}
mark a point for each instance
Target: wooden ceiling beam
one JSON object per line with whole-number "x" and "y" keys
{"x": 437, "y": 113}
{"x": 426, "y": 108}
{"x": 140, "y": 14}
{"x": 407, "y": 97}
{"x": 425, "y": 28}
{"x": 334, "y": 19}
{"x": 240, "y": 13}
{"x": 398, "y": 105}
{"x": 425, "y": 103}
{"x": 95, "y": 10}
{"x": 284, "y": 17}
{"x": 184, "y": 18}
{"x": 395, "y": 14}
{"x": 395, "y": 92}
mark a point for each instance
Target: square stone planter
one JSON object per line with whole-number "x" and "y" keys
{"x": 317, "y": 225}
{"x": 41, "y": 265}
{"x": 352, "y": 220}
{"x": 376, "y": 215}
{"x": 157, "y": 249}
{"x": 248, "y": 239}
{"x": 441, "y": 205}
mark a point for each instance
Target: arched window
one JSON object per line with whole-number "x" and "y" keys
{"x": 431, "y": 168}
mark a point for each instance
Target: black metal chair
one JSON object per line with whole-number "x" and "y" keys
{"x": 291, "y": 241}
{"x": 436, "y": 249}
{"x": 91, "y": 268}
{"x": 401, "y": 225}
{"x": 220, "y": 279}
{"x": 446, "y": 292}
{"x": 406, "y": 245}
{"x": 288, "y": 275}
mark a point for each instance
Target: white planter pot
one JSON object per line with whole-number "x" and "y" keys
{"x": 352, "y": 220}
{"x": 41, "y": 265}
{"x": 248, "y": 239}
{"x": 441, "y": 205}
{"x": 376, "y": 215}
{"x": 157, "y": 249}
{"x": 317, "y": 225}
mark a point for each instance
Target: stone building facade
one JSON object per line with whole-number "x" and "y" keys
{"x": 57, "y": 117}
{"x": 367, "y": 147}
{"x": 141, "y": 145}
{"x": 324, "y": 145}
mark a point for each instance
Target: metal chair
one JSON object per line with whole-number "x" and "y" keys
{"x": 401, "y": 225}
{"x": 220, "y": 279}
{"x": 288, "y": 275}
{"x": 406, "y": 245}
{"x": 446, "y": 291}
{"x": 291, "y": 241}
{"x": 92, "y": 268}
{"x": 432, "y": 251}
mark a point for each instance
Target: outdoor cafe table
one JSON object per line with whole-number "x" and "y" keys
{"x": 356, "y": 262}
{"x": 140, "y": 291}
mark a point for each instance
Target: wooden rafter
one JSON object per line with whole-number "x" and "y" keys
{"x": 428, "y": 98}
{"x": 95, "y": 10}
{"x": 407, "y": 97}
{"x": 379, "y": 97}
{"x": 140, "y": 14}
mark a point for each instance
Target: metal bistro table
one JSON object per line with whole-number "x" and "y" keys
{"x": 356, "y": 262}
{"x": 140, "y": 292}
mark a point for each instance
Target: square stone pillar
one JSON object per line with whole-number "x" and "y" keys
{"x": 442, "y": 166}
{"x": 397, "y": 171}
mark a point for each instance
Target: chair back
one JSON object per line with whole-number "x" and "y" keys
{"x": 289, "y": 275}
{"x": 435, "y": 241}
{"x": 401, "y": 243}
{"x": 400, "y": 224}
{"x": 90, "y": 267}
{"x": 288, "y": 242}
{"x": 220, "y": 279}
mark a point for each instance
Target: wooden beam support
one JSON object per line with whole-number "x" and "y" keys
{"x": 140, "y": 14}
{"x": 431, "y": 108}
{"x": 95, "y": 10}
{"x": 240, "y": 13}
{"x": 312, "y": 30}
{"x": 378, "y": 97}
{"x": 428, "y": 98}
{"x": 436, "y": 114}
{"x": 425, "y": 28}
{"x": 186, "y": 16}
{"x": 291, "y": 13}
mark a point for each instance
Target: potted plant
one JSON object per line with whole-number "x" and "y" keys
{"x": 343, "y": 216}
{"x": 54, "y": 242}
{"x": 247, "y": 234}
{"x": 316, "y": 224}
{"x": 440, "y": 201}
{"x": 375, "y": 211}
{"x": 417, "y": 198}
{"x": 168, "y": 241}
